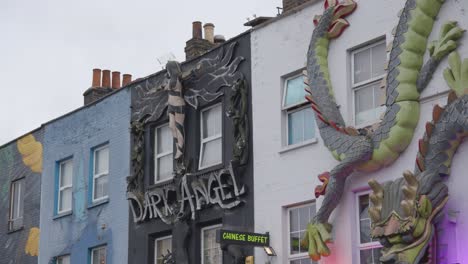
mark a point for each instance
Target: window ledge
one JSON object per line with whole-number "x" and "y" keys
{"x": 298, "y": 145}
{"x": 10, "y": 231}
{"x": 64, "y": 214}
{"x": 210, "y": 168}
{"x": 98, "y": 203}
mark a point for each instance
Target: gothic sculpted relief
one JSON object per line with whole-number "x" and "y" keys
{"x": 177, "y": 202}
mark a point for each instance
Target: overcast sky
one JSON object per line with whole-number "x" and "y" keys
{"x": 48, "y": 48}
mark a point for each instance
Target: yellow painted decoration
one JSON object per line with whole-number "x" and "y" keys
{"x": 32, "y": 245}
{"x": 31, "y": 151}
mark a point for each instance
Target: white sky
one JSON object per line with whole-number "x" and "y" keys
{"x": 48, "y": 48}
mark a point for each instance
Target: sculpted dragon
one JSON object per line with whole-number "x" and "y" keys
{"x": 407, "y": 76}
{"x": 404, "y": 212}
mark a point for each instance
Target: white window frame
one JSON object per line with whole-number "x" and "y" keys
{"x": 160, "y": 155}
{"x": 209, "y": 139}
{"x": 203, "y": 241}
{"x": 368, "y": 245}
{"x": 98, "y": 248}
{"x": 62, "y": 188}
{"x": 62, "y": 257}
{"x": 12, "y": 201}
{"x": 357, "y": 86}
{"x": 287, "y": 110}
{"x": 103, "y": 174}
{"x": 304, "y": 142}
{"x": 285, "y": 83}
{"x": 292, "y": 257}
{"x": 156, "y": 254}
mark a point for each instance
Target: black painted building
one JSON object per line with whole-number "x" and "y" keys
{"x": 192, "y": 167}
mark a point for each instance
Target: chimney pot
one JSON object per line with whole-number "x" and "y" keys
{"x": 96, "y": 78}
{"x": 105, "y": 78}
{"x": 197, "y": 30}
{"x": 209, "y": 32}
{"x": 127, "y": 78}
{"x": 115, "y": 80}
{"x": 219, "y": 39}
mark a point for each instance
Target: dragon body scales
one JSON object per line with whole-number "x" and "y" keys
{"x": 407, "y": 76}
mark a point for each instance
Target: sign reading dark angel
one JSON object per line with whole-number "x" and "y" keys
{"x": 178, "y": 99}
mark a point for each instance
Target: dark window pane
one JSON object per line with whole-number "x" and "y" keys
{"x": 376, "y": 252}
{"x": 294, "y": 91}
{"x": 363, "y": 206}
{"x": 295, "y": 127}
{"x": 364, "y": 228}
{"x": 379, "y": 57}
{"x": 362, "y": 67}
{"x": 304, "y": 217}
{"x": 293, "y": 220}
{"x": 309, "y": 123}
{"x": 370, "y": 256}
{"x": 295, "y": 243}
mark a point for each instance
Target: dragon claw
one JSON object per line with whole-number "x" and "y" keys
{"x": 456, "y": 75}
{"x": 450, "y": 33}
{"x": 315, "y": 239}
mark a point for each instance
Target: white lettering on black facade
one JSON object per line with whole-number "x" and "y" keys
{"x": 193, "y": 193}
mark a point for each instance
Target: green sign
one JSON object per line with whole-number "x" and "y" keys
{"x": 243, "y": 238}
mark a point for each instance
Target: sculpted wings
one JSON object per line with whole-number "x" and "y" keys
{"x": 204, "y": 82}
{"x": 152, "y": 101}
{"x": 211, "y": 74}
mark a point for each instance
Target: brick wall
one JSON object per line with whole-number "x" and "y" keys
{"x": 290, "y": 4}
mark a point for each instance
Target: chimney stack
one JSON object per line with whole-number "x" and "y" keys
{"x": 197, "y": 30}
{"x": 99, "y": 90}
{"x": 291, "y": 4}
{"x": 127, "y": 78}
{"x": 115, "y": 80}
{"x": 209, "y": 32}
{"x": 197, "y": 45}
{"x": 96, "y": 78}
{"x": 106, "y": 78}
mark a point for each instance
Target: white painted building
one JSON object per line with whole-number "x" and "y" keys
{"x": 288, "y": 158}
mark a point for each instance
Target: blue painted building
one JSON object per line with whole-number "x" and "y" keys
{"x": 84, "y": 211}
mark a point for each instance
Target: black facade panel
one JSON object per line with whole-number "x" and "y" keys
{"x": 241, "y": 218}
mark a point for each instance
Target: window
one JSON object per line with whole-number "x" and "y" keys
{"x": 369, "y": 249}
{"x": 98, "y": 255}
{"x": 298, "y": 218}
{"x": 367, "y": 66}
{"x": 65, "y": 184}
{"x": 211, "y": 251}
{"x": 100, "y": 173}
{"x": 162, "y": 247}
{"x": 63, "y": 259}
{"x": 211, "y": 137}
{"x": 300, "y": 116}
{"x": 163, "y": 148}
{"x": 16, "y": 204}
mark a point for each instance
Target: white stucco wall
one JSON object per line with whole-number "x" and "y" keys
{"x": 286, "y": 178}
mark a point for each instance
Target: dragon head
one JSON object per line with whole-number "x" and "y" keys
{"x": 404, "y": 216}
{"x": 338, "y": 11}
